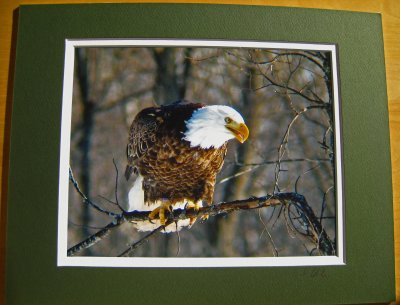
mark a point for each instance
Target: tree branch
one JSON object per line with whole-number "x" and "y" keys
{"x": 138, "y": 243}
{"x": 304, "y": 214}
{"x": 95, "y": 238}
{"x": 87, "y": 200}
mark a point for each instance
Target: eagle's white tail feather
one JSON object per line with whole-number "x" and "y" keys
{"x": 136, "y": 203}
{"x": 136, "y": 196}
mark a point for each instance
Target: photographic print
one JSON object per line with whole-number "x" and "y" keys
{"x": 208, "y": 153}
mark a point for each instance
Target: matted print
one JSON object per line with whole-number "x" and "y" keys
{"x": 200, "y": 153}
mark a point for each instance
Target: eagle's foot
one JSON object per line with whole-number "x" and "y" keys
{"x": 204, "y": 217}
{"x": 160, "y": 212}
{"x": 192, "y": 205}
{"x": 195, "y": 206}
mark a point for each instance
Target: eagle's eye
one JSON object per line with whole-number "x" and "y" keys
{"x": 228, "y": 120}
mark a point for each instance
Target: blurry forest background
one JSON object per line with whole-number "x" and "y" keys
{"x": 285, "y": 97}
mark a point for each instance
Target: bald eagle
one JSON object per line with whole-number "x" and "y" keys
{"x": 176, "y": 152}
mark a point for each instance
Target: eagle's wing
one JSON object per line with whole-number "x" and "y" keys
{"x": 142, "y": 136}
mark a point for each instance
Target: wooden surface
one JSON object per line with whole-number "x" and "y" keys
{"x": 390, "y": 10}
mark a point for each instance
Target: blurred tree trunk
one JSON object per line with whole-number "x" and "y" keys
{"x": 87, "y": 130}
{"x": 171, "y": 75}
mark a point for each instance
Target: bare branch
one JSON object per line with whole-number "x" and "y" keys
{"x": 310, "y": 58}
{"x": 226, "y": 179}
{"x": 292, "y": 90}
{"x": 263, "y": 163}
{"x": 275, "y": 250}
{"x": 306, "y": 172}
{"x": 307, "y": 216}
{"x": 324, "y": 203}
{"x": 135, "y": 245}
{"x": 85, "y": 199}
{"x": 285, "y": 140}
{"x": 116, "y": 186}
{"x": 286, "y": 86}
{"x": 95, "y": 238}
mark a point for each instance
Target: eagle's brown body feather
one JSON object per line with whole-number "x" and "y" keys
{"x": 172, "y": 170}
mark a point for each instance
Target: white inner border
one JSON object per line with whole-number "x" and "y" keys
{"x": 64, "y": 260}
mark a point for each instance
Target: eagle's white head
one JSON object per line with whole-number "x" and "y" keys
{"x": 212, "y": 126}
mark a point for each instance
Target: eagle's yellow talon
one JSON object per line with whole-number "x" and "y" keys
{"x": 153, "y": 214}
{"x": 191, "y": 205}
{"x": 195, "y": 206}
{"x": 160, "y": 212}
{"x": 192, "y": 220}
{"x": 204, "y": 217}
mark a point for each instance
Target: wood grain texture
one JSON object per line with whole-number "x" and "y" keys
{"x": 390, "y": 10}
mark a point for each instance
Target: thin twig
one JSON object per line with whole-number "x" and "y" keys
{"x": 275, "y": 250}
{"x": 136, "y": 244}
{"x": 226, "y": 179}
{"x": 86, "y": 200}
{"x": 282, "y": 161}
{"x": 324, "y": 203}
{"x": 116, "y": 186}
{"x": 286, "y": 86}
{"x": 179, "y": 239}
{"x": 302, "y": 174}
{"x": 108, "y": 200}
{"x": 95, "y": 238}
{"x": 285, "y": 141}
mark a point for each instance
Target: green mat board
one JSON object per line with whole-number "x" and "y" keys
{"x": 32, "y": 274}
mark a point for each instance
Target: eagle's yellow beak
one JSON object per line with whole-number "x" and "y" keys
{"x": 239, "y": 130}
